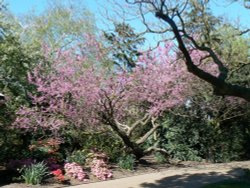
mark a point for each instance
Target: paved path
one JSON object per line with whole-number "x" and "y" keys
{"x": 176, "y": 178}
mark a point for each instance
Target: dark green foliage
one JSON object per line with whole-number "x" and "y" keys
{"x": 123, "y": 45}
{"x": 78, "y": 157}
{"x": 160, "y": 158}
{"x": 15, "y": 62}
{"x": 106, "y": 142}
{"x": 127, "y": 162}
{"x": 198, "y": 135}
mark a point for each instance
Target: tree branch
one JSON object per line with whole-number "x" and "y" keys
{"x": 149, "y": 133}
{"x": 142, "y": 121}
{"x": 220, "y": 86}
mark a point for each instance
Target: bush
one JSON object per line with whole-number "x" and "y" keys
{"x": 127, "y": 162}
{"x": 74, "y": 170}
{"x": 35, "y": 173}
{"x": 108, "y": 143}
{"x": 99, "y": 167}
{"x": 78, "y": 157}
{"x": 160, "y": 158}
{"x": 198, "y": 135}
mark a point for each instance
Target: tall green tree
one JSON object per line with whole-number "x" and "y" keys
{"x": 60, "y": 25}
{"x": 123, "y": 46}
{"x": 15, "y": 62}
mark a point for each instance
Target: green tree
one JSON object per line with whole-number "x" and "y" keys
{"x": 15, "y": 62}
{"x": 123, "y": 46}
{"x": 59, "y": 26}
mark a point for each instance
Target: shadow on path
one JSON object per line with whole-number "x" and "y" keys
{"x": 196, "y": 180}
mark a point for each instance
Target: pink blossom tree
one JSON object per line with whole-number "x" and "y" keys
{"x": 76, "y": 92}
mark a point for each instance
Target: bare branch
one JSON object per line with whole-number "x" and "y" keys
{"x": 122, "y": 126}
{"x": 219, "y": 84}
{"x": 149, "y": 133}
{"x": 142, "y": 121}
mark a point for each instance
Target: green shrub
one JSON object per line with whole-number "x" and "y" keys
{"x": 127, "y": 162}
{"x": 105, "y": 142}
{"x": 35, "y": 173}
{"x": 160, "y": 158}
{"x": 198, "y": 135}
{"x": 78, "y": 157}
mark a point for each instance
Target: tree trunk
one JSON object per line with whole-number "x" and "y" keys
{"x": 135, "y": 148}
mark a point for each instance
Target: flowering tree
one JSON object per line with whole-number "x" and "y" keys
{"x": 75, "y": 92}
{"x": 175, "y": 19}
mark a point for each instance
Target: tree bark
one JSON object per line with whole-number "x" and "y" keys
{"x": 221, "y": 87}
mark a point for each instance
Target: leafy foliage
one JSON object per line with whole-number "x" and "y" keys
{"x": 60, "y": 26}
{"x": 127, "y": 162}
{"x": 160, "y": 158}
{"x": 35, "y": 173}
{"x": 123, "y": 46}
{"x": 200, "y": 134}
{"x": 78, "y": 157}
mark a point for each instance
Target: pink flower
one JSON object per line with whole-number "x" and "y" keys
{"x": 75, "y": 171}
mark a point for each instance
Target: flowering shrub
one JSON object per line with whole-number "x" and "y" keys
{"x": 75, "y": 171}
{"x": 58, "y": 175}
{"x": 99, "y": 166}
{"x": 50, "y": 145}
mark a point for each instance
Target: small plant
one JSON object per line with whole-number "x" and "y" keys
{"x": 99, "y": 166}
{"x": 49, "y": 146}
{"x": 34, "y": 173}
{"x": 78, "y": 157}
{"x": 127, "y": 162}
{"x": 74, "y": 170}
{"x": 160, "y": 158}
{"x": 58, "y": 175}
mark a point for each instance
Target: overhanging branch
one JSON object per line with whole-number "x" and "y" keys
{"x": 220, "y": 86}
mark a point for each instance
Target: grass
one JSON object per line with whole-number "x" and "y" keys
{"x": 229, "y": 184}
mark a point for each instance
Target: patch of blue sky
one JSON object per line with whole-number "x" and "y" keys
{"x": 233, "y": 12}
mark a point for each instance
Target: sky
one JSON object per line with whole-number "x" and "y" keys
{"x": 232, "y": 11}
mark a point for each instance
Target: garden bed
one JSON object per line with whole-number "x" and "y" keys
{"x": 142, "y": 168}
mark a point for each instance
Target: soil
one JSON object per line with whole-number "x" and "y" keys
{"x": 142, "y": 168}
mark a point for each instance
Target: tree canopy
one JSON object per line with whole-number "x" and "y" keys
{"x": 194, "y": 33}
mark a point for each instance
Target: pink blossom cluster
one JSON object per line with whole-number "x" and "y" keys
{"x": 75, "y": 91}
{"x": 99, "y": 168}
{"x": 75, "y": 171}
